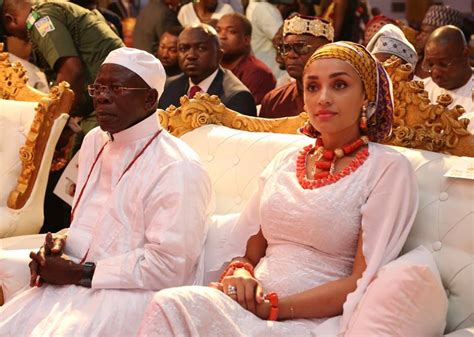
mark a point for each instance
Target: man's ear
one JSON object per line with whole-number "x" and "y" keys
{"x": 465, "y": 52}
{"x": 247, "y": 40}
{"x": 8, "y": 19}
{"x": 151, "y": 100}
{"x": 220, "y": 54}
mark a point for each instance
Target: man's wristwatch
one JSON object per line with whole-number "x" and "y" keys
{"x": 88, "y": 269}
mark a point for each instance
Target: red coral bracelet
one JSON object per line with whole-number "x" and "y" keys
{"x": 273, "y": 298}
{"x": 236, "y": 265}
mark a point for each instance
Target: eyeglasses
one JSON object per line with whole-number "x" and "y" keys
{"x": 97, "y": 89}
{"x": 300, "y": 48}
{"x": 443, "y": 66}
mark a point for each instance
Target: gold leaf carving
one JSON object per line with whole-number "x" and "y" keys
{"x": 418, "y": 123}
{"x": 206, "y": 109}
{"x": 14, "y": 81}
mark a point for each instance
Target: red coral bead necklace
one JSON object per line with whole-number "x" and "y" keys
{"x": 323, "y": 172}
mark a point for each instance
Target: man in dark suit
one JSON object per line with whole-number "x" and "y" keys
{"x": 199, "y": 57}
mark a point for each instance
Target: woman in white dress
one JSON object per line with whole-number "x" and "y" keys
{"x": 323, "y": 221}
{"x": 202, "y": 11}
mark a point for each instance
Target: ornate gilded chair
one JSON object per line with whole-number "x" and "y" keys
{"x": 30, "y": 125}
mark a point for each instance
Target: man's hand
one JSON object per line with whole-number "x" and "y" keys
{"x": 60, "y": 270}
{"x": 52, "y": 246}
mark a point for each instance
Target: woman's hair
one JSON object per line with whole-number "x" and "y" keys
{"x": 375, "y": 80}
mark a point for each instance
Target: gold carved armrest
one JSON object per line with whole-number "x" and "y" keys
{"x": 14, "y": 81}
{"x": 422, "y": 125}
{"x": 58, "y": 101}
{"x": 204, "y": 109}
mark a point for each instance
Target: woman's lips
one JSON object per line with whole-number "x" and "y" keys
{"x": 325, "y": 115}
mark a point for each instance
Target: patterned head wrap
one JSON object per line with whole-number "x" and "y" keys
{"x": 376, "y": 82}
{"x": 303, "y": 24}
{"x": 439, "y": 15}
{"x": 374, "y": 25}
{"x": 391, "y": 40}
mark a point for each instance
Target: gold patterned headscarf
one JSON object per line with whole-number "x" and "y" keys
{"x": 377, "y": 84}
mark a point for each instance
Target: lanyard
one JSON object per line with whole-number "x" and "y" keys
{"x": 125, "y": 171}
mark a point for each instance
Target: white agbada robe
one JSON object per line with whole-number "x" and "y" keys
{"x": 144, "y": 233}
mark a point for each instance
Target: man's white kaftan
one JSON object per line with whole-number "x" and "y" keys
{"x": 144, "y": 232}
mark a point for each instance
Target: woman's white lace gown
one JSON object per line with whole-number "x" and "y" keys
{"x": 312, "y": 239}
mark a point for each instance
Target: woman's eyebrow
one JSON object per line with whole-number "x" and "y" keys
{"x": 341, "y": 73}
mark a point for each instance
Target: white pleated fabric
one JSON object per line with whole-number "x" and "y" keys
{"x": 145, "y": 232}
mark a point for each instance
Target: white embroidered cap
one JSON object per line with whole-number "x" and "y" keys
{"x": 391, "y": 40}
{"x": 142, "y": 63}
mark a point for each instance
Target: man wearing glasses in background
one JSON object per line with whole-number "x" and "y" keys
{"x": 447, "y": 62}
{"x": 302, "y": 35}
{"x": 139, "y": 216}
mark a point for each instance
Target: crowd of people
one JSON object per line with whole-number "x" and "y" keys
{"x": 132, "y": 262}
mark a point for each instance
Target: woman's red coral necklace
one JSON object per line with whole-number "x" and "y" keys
{"x": 324, "y": 166}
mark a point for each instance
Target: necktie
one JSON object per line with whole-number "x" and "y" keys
{"x": 194, "y": 89}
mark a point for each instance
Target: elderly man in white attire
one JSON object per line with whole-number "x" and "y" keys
{"x": 140, "y": 214}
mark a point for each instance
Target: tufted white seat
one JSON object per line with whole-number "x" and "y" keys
{"x": 15, "y": 122}
{"x": 444, "y": 225}
{"x": 234, "y": 160}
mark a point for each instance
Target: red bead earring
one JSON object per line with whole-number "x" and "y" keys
{"x": 308, "y": 130}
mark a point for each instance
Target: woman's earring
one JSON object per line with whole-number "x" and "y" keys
{"x": 308, "y": 130}
{"x": 363, "y": 119}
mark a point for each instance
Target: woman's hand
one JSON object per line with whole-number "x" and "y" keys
{"x": 245, "y": 289}
{"x": 263, "y": 309}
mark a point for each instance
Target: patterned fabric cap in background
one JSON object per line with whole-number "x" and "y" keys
{"x": 303, "y": 24}
{"x": 391, "y": 40}
{"x": 439, "y": 15}
{"x": 376, "y": 82}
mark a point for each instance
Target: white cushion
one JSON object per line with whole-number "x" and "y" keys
{"x": 406, "y": 298}
{"x": 14, "y": 271}
{"x": 215, "y": 248}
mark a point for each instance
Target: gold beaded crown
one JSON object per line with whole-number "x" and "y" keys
{"x": 298, "y": 24}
